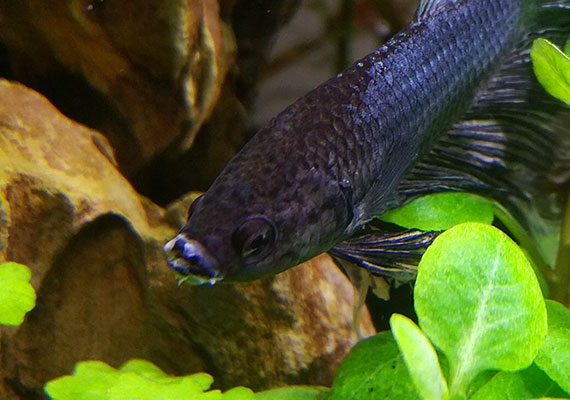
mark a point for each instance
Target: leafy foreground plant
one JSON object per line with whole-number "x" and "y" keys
{"x": 17, "y": 296}
{"x": 142, "y": 380}
{"x": 479, "y": 302}
{"x": 552, "y": 68}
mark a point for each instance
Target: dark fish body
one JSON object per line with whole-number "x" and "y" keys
{"x": 333, "y": 160}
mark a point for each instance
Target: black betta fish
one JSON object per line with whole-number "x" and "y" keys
{"x": 448, "y": 104}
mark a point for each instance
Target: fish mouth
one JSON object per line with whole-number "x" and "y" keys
{"x": 191, "y": 261}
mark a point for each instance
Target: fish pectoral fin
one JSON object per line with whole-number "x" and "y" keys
{"x": 393, "y": 255}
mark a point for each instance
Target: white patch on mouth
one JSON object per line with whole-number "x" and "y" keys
{"x": 169, "y": 246}
{"x": 194, "y": 280}
{"x": 179, "y": 261}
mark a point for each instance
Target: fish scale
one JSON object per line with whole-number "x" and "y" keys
{"x": 373, "y": 137}
{"x": 436, "y": 81}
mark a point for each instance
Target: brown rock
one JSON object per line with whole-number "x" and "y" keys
{"x": 104, "y": 292}
{"x": 157, "y": 66}
{"x": 256, "y": 25}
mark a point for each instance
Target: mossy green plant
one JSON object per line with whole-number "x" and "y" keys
{"x": 142, "y": 380}
{"x": 17, "y": 297}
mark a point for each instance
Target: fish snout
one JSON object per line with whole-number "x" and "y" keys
{"x": 192, "y": 260}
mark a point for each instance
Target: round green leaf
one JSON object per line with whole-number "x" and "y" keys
{"x": 554, "y": 357}
{"x": 134, "y": 386}
{"x": 239, "y": 393}
{"x": 91, "y": 380}
{"x": 17, "y": 296}
{"x": 552, "y": 69}
{"x": 441, "y": 211}
{"x": 420, "y": 357}
{"x": 136, "y": 379}
{"x": 529, "y": 383}
{"x": 145, "y": 368}
{"x": 374, "y": 369}
{"x": 479, "y": 301}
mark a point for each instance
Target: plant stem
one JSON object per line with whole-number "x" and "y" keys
{"x": 457, "y": 388}
{"x": 542, "y": 270}
{"x": 561, "y": 276}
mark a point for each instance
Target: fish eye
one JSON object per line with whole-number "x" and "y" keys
{"x": 253, "y": 239}
{"x": 194, "y": 206}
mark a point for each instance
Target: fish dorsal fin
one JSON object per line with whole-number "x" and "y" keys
{"x": 428, "y": 7}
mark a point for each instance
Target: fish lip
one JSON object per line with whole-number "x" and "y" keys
{"x": 191, "y": 261}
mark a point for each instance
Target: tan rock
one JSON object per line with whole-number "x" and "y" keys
{"x": 104, "y": 292}
{"x": 158, "y": 65}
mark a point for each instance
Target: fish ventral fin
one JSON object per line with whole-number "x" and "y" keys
{"x": 429, "y": 7}
{"x": 393, "y": 253}
{"x": 513, "y": 142}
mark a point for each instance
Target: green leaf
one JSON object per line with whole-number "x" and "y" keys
{"x": 195, "y": 383}
{"x": 90, "y": 381}
{"x": 134, "y": 386}
{"x": 441, "y": 211}
{"x": 374, "y": 369}
{"x": 567, "y": 48}
{"x": 17, "y": 296}
{"x": 554, "y": 356}
{"x": 136, "y": 379}
{"x": 239, "y": 393}
{"x": 480, "y": 380}
{"x": 526, "y": 384}
{"x": 146, "y": 368}
{"x": 420, "y": 358}
{"x": 552, "y": 68}
{"x": 547, "y": 239}
{"x": 294, "y": 393}
{"x": 478, "y": 300}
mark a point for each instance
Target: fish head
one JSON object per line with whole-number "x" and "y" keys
{"x": 249, "y": 226}
{"x": 246, "y": 253}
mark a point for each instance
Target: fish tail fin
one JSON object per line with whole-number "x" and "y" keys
{"x": 551, "y": 21}
{"x": 547, "y": 117}
{"x": 551, "y": 15}
{"x": 548, "y": 19}
{"x": 513, "y": 143}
